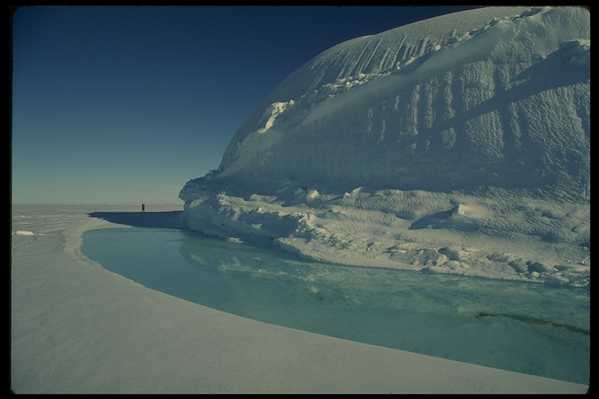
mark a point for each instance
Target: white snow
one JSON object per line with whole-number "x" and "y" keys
{"x": 78, "y": 328}
{"x": 273, "y": 113}
{"x": 490, "y": 237}
{"x": 312, "y": 195}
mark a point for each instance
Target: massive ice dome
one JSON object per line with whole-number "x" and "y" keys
{"x": 496, "y": 96}
{"x": 435, "y": 113}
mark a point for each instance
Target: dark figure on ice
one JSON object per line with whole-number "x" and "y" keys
{"x": 143, "y": 207}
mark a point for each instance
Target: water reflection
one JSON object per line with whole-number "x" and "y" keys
{"x": 430, "y": 314}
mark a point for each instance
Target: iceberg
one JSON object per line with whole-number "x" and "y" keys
{"x": 468, "y": 131}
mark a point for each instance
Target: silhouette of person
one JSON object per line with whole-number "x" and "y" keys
{"x": 143, "y": 207}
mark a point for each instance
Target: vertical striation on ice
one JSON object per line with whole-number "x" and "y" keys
{"x": 495, "y": 96}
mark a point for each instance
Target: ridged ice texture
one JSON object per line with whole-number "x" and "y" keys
{"x": 496, "y": 96}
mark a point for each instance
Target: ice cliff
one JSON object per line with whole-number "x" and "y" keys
{"x": 461, "y": 106}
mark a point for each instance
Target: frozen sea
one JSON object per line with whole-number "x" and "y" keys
{"x": 528, "y": 328}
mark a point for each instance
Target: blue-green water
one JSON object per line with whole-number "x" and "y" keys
{"x": 528, "y": 328}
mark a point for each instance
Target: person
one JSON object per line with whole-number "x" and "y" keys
{"x": 143, "y": 207}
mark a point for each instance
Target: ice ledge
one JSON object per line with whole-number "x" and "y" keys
{"x": 498, "y": 238}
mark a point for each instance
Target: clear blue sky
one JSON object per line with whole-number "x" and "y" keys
{"x": 123, "y": 104}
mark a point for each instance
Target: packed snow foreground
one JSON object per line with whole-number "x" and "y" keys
{"x": 459, "y": 144}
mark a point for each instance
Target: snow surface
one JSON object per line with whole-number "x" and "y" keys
{"x": 273, "y": 112}
{"x": 499, "y": 237}
{"x": 467, "y": 133}
{"x": 77, "y": 328}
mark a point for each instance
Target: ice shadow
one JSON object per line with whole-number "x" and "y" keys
{"x": 168, "y": 219}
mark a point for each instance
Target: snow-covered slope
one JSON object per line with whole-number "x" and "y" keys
{"x": 467, "y": 131}
{"x": 495, "y": 96}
